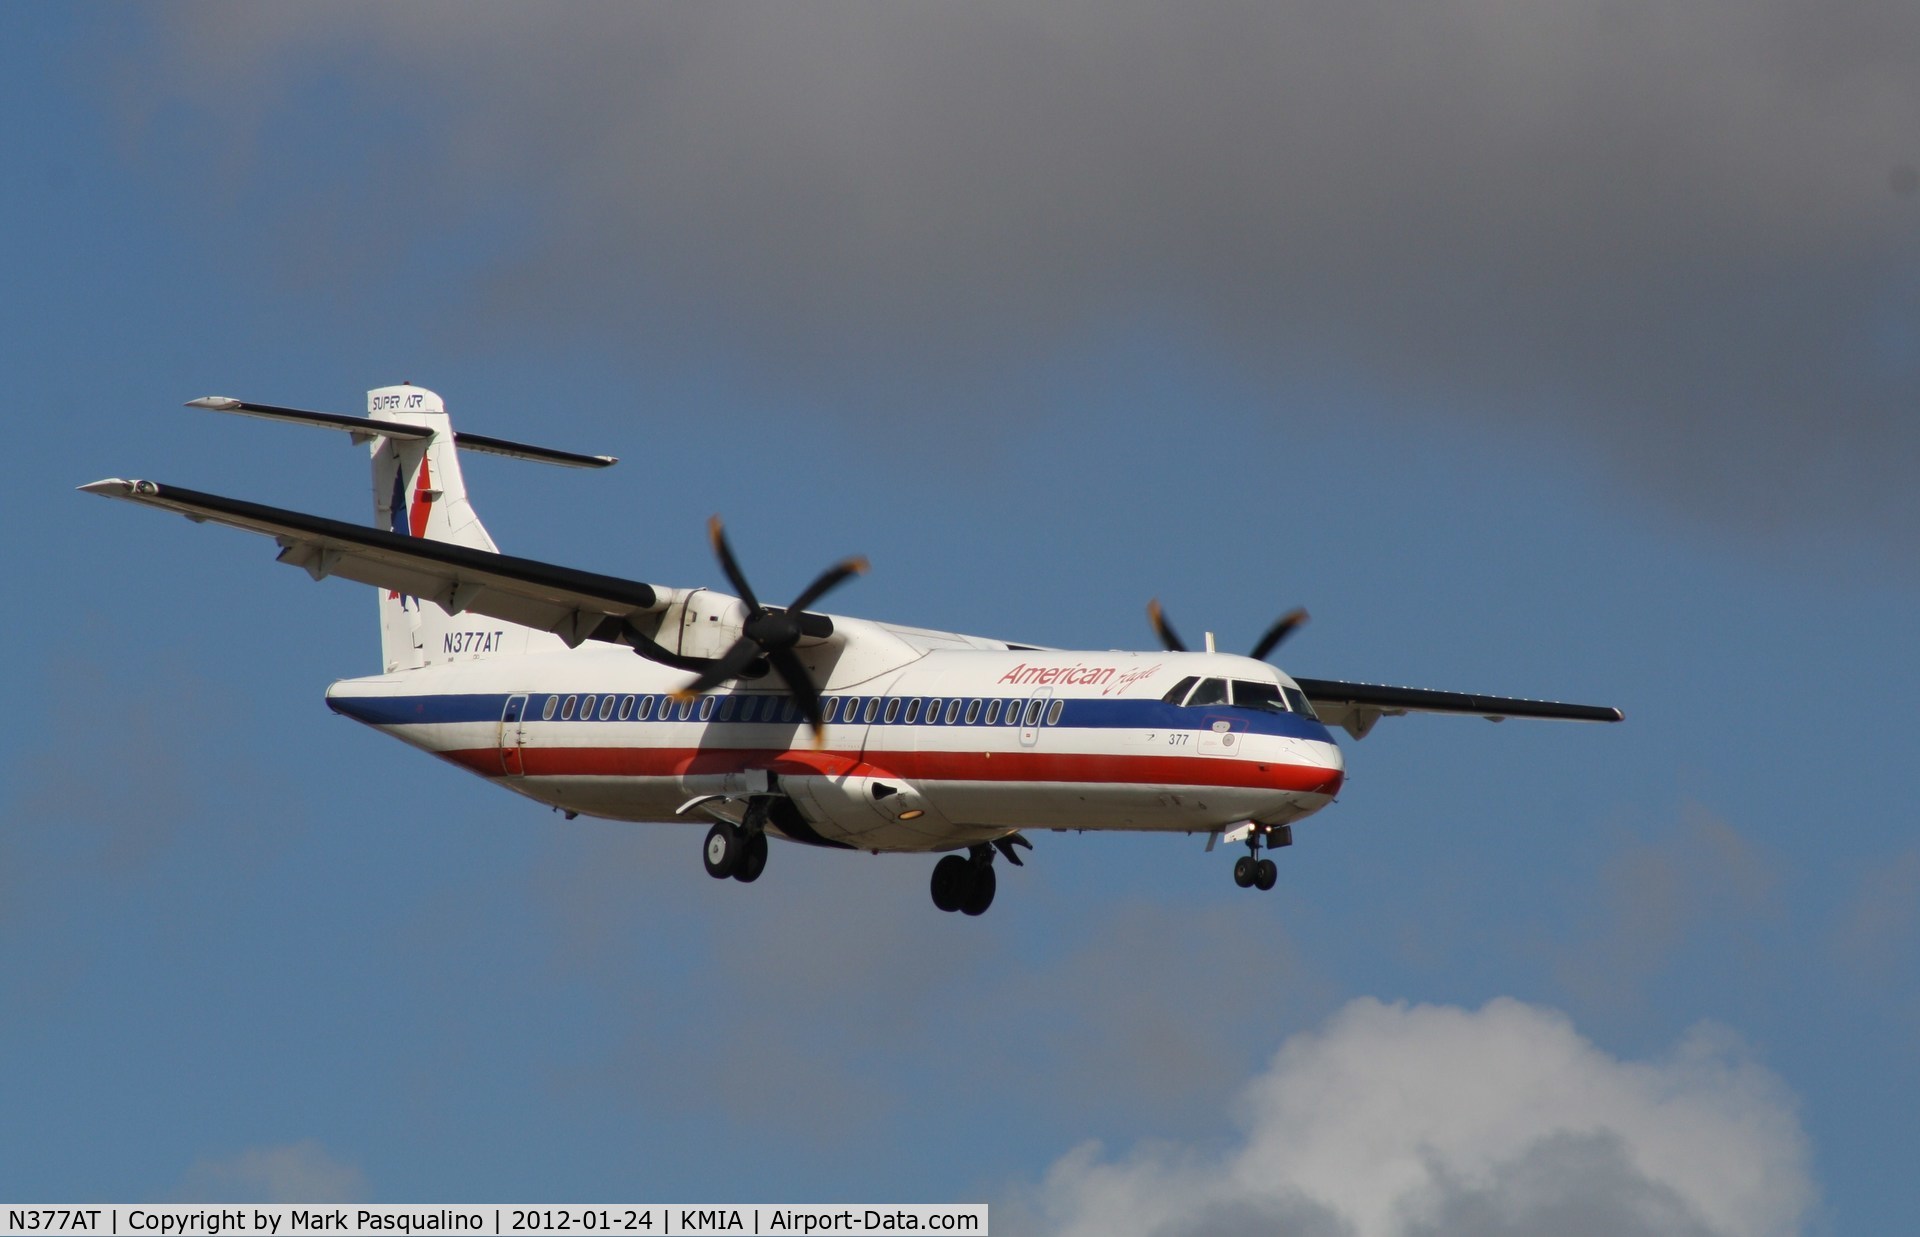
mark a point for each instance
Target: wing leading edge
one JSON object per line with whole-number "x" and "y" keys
{"x": 1357, "y": 706}
{"x": 575, "y": 605}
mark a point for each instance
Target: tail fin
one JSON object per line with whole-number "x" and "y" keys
{"x": 418, "y": 491}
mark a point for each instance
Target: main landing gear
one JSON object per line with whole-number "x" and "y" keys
{"x": 739, "y": 851}
{"x": 966, "y": 883}
{"x": 1250, "y": 870}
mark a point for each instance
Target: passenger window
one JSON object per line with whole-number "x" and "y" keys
{"x": 686, "y": 709}
{"x": 933, "y": 711}
{"x": 872, "y": 710}
{"x": 913, "y": 710}
{"x": 832, "y": 706}
{"x": 626, "y": 707}
{"x": 727, "y": 705}
{"x": 1053, "y": 712}
{"x": 953, "y": 711}
{"x": 1210, "y": 691}
{"x": 706, "y": 707}
{"x": 1033, "y": 712}
{"x": 586, "y": 708}
{"x": 606, "y": 707}
{"x": 893, "y": 709}
{"x": 566, "y": 710}
{"x": 973, "y": 711}
{"x": 546, "y": 714}
{"x": 993, "y": 712}
{"x": 749, "y": 707}
{"x": 1177, "y": 694}
{"x": 789, "y": 710}
{"x": 646, "y": 709}
{"x": 1013, "y": 713}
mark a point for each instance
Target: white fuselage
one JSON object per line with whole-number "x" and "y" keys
{"x": 953, "y": 748}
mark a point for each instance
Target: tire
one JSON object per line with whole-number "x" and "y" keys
{"x": 753, "y": 858}
{"x": 980, "y": 891}
{"x": 1243, "y": 871}
{"x": 723, "y": 851}
{"x": 1266, "y": 873}
{"x": 952, "y": 878}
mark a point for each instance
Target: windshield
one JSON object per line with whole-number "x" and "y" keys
{"x": 1249, "y": 695}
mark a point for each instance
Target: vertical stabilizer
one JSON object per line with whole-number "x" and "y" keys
{"x": 418, "y": 492}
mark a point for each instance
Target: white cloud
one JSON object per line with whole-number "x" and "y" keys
{"x": 1429, "y": 1121}
{"x": 301, "y": 1172}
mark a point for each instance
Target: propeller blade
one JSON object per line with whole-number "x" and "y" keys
{"x": 805, "y": 694}
{"x": 647, "y": 647}
{"x": 1164, "y": 629}
{"x": 731, "y": 665}
{"x": 1278, "y": 632}
{"x": 724, "y": 552}
{"x": 829, "y": 579}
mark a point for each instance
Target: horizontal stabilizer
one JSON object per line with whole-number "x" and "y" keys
{"x": 525, "y": 451}
{"x": 365, "y": 428}
{"x": 360, "y": 427}
{"x": 575, "y": 605}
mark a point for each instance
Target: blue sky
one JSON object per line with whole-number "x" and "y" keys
{"x": 1047, "y": 312}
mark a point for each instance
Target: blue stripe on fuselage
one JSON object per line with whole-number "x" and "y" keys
{"x": 1075, "y": 714}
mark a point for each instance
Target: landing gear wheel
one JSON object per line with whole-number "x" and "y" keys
{"x": 979, "y": 891}
{"x": 1244, "y": 870}
{"x": 1265, "y": 874}
{"x": 952, "y": 880}
{"x": 726, "y": 846}
{"x": 753, "y": 859}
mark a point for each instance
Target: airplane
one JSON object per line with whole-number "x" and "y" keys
{"x": 785, "y": 721}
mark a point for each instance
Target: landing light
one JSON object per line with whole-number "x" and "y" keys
{"x": 913, "y": 814}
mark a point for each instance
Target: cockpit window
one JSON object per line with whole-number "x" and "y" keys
{"x": 1210, "y": 691}
{"x": 1251, "y": 695}
{"x": 1177, "y": 694}
{"x": 1298, "y": 699}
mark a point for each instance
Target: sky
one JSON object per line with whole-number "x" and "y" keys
{"x": 1561, "y": 350}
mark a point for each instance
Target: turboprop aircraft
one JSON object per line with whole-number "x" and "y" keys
{"x": 644, "y": 702}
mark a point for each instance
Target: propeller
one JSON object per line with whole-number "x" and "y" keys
{"x": 768, "y": 636}
{"x": 1283, "y": 627}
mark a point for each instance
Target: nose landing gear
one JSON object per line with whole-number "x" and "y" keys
{"x": 1250, "y": 870}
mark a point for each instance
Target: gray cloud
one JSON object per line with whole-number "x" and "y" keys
{"x": 1880, "y": 929}
{"x": 845, "y": 1009}
{"x": 301, "y": 1172}
{"x": 1680, "y": 234}
{"x": 1394, "y": 1121}
{"x": 1701, "y": 876}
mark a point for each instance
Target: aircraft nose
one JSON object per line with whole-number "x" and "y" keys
{"x": 1333, "y": 767}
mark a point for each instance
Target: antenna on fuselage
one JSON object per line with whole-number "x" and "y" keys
{"x": 1210, "y": 647}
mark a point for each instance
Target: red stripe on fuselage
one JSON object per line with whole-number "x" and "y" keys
{"x": 1064, "y": 767}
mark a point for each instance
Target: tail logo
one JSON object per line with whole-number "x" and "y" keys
{"x": 411, "y": 521}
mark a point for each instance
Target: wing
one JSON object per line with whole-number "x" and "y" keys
{"x": 1357, "y": 706}
{"x": 575, "y": 605}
